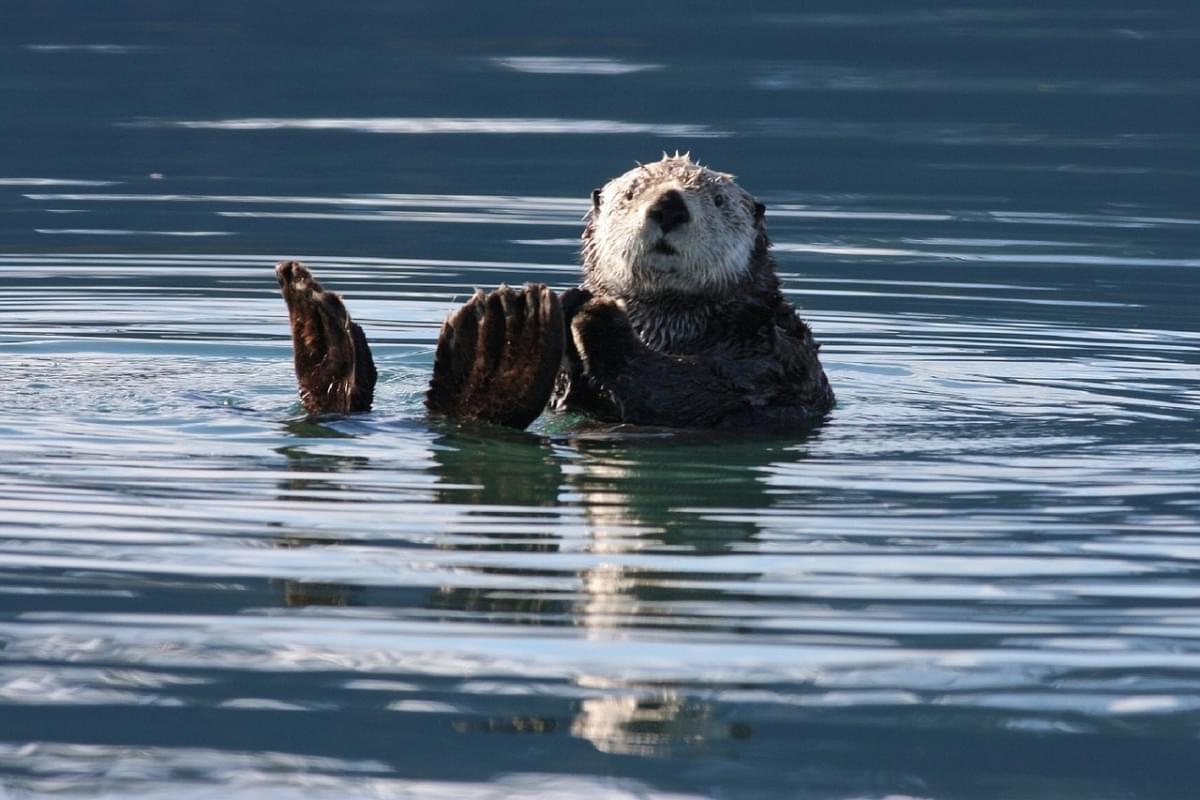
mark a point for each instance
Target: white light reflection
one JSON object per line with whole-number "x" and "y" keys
{"x": 439, "y": 125}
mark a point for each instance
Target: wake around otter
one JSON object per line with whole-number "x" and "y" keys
{"x": 679, "y": 322}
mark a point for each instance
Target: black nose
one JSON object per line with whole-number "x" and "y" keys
{"x": 669, "y": 211}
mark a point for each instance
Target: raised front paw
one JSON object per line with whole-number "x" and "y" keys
{"x": 497, "y": 357}
{"x": 334, "y": 368}
{"x": 603, "y": 337}
{"x": 572, "y": 300}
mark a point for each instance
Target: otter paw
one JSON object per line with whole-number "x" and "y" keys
{"x": 334, "y": 368}
{"x": 604, "y": 337}
{"x": 572, "y": 300}
{"x": 497, "y": 357}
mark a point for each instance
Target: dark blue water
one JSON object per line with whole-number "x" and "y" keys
{"x": 979, "y": 579}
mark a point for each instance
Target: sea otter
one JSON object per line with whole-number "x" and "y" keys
{"x": 679, "y": 322}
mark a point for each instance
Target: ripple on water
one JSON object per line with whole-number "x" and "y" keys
{"x": 442, "y": 126}
{"x": 966, "y": 541}
{"x": 979, "y": 579}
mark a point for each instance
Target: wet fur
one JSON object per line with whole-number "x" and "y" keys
{"x": 497, "y": 357}
{"x": 716, "y": 345}
{"x": 334, "y": 367}
{"x": 684, "y": 327}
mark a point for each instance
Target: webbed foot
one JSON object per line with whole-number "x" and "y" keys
{"x": 334, "y": 367}
{"x": 497, "y": 357}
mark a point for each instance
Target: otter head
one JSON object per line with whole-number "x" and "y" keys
{"x": 671, "y": 226}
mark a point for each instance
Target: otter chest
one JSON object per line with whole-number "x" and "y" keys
{"x": 676, "y": 324}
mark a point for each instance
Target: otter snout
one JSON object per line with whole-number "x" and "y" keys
{"x": 669, "y": 211}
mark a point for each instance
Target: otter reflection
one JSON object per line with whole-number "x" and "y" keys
{"x": 611, "y": 496}
{"x": 616, "y": 493}
{"x": 635, "y": 493}
{"x": 654, "y": 725}
{"x": 312, "y": 475}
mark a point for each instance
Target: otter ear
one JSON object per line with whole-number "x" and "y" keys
{"x": 759, "y": 210}
{"x": 596, "y": 199}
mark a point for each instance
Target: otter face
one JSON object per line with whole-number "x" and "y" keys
{"x": 670, "y": 226}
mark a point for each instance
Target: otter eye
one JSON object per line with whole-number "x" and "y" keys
{"x": 595, "y": 198}
{"x": 629, "y": 195}
{"x": 719, "y": 200}
{"x": 759, "y": 210}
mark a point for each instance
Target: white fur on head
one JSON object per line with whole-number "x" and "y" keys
{"x": 624, "y": 247}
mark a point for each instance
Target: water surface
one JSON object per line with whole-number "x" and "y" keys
{"x": 978, "y": 579}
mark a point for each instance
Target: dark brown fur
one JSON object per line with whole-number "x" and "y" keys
{"x": 496, "y": 361}
{"x": 744, "y": 358}
{"x": 497, "y": 357}
{"x": 737, "y": 357}
{"x": 333, "y": 361}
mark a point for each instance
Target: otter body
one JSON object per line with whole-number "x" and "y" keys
{"x": 679, "y": 322}
{"x": 685, "y": 325}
